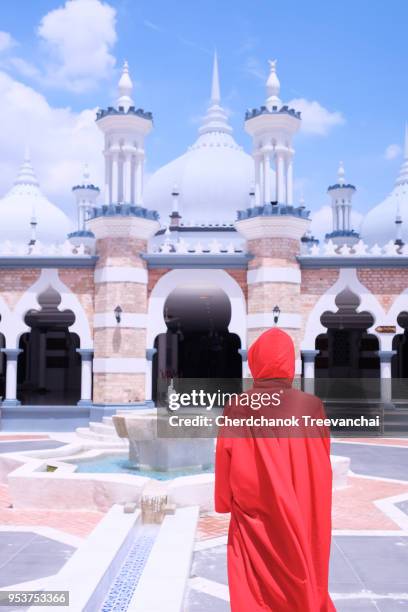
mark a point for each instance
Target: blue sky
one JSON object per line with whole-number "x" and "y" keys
{"x": 349, "y": 58}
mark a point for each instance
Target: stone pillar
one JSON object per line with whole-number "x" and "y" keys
{"x": 274, "y": 276}
{"x": 107, "y": 194}
{"x": 11, "y": 376}
{"x": 257, "y": 181}
{"x": 139, "y": 180}
{"x": 127, "y": 178}
{"x": 267, "y": 178}
{"x": 385, "y": 373}
{"x": 115, "y": 178}
{"x": 289, "y": 181}
{"x": 119, "y": 366}
{"x": 280, "y": 177}
{"x": 86, "y": 376}
{"x": 309, "y": 370}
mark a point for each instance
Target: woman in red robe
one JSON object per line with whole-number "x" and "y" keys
{"x": 278, "y": 489}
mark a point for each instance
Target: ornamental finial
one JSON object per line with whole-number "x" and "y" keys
{"x": 273, "y": 87}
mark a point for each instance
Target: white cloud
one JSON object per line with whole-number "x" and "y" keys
{"x": 392, "y": 151}
{"x": 322, "y": 221}
{"x": 60, "y": 140}
{"x": 6, "y": 41}
{"x": 76, "y": 41}
{"x": 316, "y": 119}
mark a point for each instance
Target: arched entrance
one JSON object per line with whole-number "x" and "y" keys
{"x": 49, "y": 367}
{"x": 399, "y": 362}
{"x": 197, "y": 343}
{"x": 347, "y": 350}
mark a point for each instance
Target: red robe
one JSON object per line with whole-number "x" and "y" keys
{"x": 278, "y": 490}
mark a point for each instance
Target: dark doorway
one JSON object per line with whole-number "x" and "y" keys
{"x": 197, "y": 343}
{"x": 49, "y": 368}
{"x": 399, "y": 362}
{"x": 347, "y": 352}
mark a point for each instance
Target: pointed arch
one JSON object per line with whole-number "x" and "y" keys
{"x": 29, "y": 301}
{"x": 327, "y": 302}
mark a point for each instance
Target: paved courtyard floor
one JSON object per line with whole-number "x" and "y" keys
{"x": 369, "y": 560}
{"x": 369, "y": 556}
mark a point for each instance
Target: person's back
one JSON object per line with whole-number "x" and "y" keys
{"x": 276, "y": 482}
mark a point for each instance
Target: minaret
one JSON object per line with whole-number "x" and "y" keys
{"x": 175, "y": 214}
{"x": 122, "y": 228}
{"x": 398, "y": 227}
{"x": 216, "y": 119}
{"x": 272, "y": 128}
{"x": 273, "y": 232}
{"x": 341, "y": 194}
{"x": 33, "y": 228}
{"x": 86, "y": 195}
{"x": 125, "y": 129}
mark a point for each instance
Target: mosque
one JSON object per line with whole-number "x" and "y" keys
{"x": 178, "y": 276}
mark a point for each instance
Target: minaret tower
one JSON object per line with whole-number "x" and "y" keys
{"x": 86, "y": 195}
{"x": 272, "y": 128}
{"x": 125, "y": 129}
{"x": 341, "y": 195}
{"x": 122, "y": 228}
{"x": 273, "y": 228}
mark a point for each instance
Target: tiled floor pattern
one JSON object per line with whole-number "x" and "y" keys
{"x": 368, "y": 572}
{"x": 357, "y": 580}
{"x": 28, "y": 556}
{"x": 78, "y": 523}
{"x": 124, "y": 585}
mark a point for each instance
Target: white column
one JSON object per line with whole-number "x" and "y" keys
{"x": 115, "y": 179}
{"x": 108, "y": 165}
{"x": 289, "y": 181}
{"x": 385, "y": 373}
{"x": 258, "y": 181}
{"x": 139, "y": 180}
{"x": 11, "y": 376}
{"x": 309, "y": 370}
{"x": 267, "y": 178}
{"x": 127, "y": 179}
{"x": 86, "y": 376}
{"x": 280, "y": 167}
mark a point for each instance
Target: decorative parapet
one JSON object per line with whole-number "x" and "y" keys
{"x": 17, "y": 255}
{"x": 181, "y": 246}
{"x": 263, "y": 110}
{"x": 272, "y": 209}
{"x": 359, "y": 254}
{"x": 139, "y": 112}
{"x": 123, "y": 210}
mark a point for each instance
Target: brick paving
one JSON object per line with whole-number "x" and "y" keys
{"x": 74, "y": 522}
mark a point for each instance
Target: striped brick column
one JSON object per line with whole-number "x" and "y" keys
{"x": 120, "y": 280}
{"x": 274, "y": 275}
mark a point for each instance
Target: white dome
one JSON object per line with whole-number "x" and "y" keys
{"x": 213, "y": 177}
{"x": 25, "y": 201}
{"x": 379, "y": 225}
{"x": 214, "y": 181}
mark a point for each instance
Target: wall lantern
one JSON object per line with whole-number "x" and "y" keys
{"x": 276, "y": 312}
{"x": 118, "y": 314}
